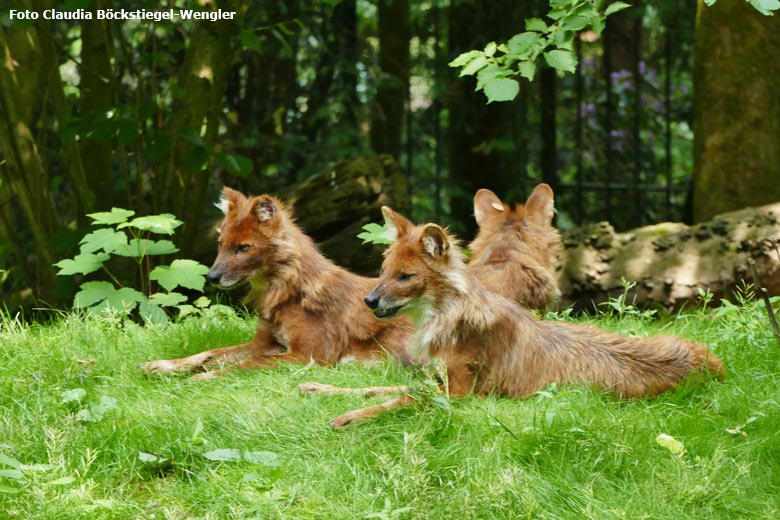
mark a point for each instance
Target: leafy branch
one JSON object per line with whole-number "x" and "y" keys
{"x": 497, "y": 65}
{"x": 764, "y": 7}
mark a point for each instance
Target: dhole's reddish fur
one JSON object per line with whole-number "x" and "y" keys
{"x": 310, "y": 309}
{"x": 515, "y": 251}
{"x": 491, "y": 344}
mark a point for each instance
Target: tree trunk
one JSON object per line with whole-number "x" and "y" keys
{"x": 393, "y": 85}
{"x": 736, "y": 113}
{"x": 671, "y": 261}
{"x": 481, "y": 137}
{"x": 202, "y": 78}
{"x": 22, "y": 169}
{"x": 97, "y": 97}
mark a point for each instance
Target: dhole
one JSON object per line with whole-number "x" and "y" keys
{"x": 310, "y": 309}
{"x": 515, "y": 251}
{"x": 490, "y": 344}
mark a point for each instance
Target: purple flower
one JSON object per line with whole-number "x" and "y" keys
{"x": 587, "y": 109}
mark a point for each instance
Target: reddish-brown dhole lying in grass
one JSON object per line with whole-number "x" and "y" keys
{"x": 491, "y": 344}
{"x": 515, "y": 251}
{"x": 310, "y": 309}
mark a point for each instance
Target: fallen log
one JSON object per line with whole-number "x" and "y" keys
{"x": 671, "y": 261}
{"x": 334, "y": 205}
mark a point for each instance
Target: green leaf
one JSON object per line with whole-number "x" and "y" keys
{"x": 490, "y": 49}
{"x": 250, "y": 41}
{"x": 164, "y": 223}
{"x": 489, "y": 73}
{"x": 10, "y": 461}
{"x": 501, "y": 89}
{"x": 375, "y": 234}
{"x": 527, "y": 69}
{"x": 535, "y": 24}
{"x": 86, "y": 415}
{"x": 260, "y": 457}
{"x": 197, "y": 159}
{"x": 234, "y": 164}
{"x": 575, "y": 23}
{"x": 92, "y": 293}
{"x": 766, "y": 7}
{"x": 561, "y": 60}
{"x": 152, "y": 313}
{"x": 124, "y": 299}
{"x": 142, "y": 247}
{"x": 115, "y": 216}
{"x": 11, "y": 473}
{"x": 182, "y": 272}
{"x": 157, "y": 146}
{"x": 674, "y": 446}
{"x": 74, "y": 394}
{"x": 520, "y": 44}
{"x": 249, "y": 477}
{"x": 106, "y": 404}
{"x": 464, "y": 58}
{"x": 37, "y": 467}
{"x": 9, "y": 490}
{"x": 474, "y": 65}
{"x": 202, "y": 302}
{"x": 149, "y": 458}
{"x": 104, "y": 238}
{"x": 224, "y": 454}
{"x": 168, "y": 299}
{"x": 619, "y": 6}
{"x": 84, "y": 263}
{"x": 191, "y": 136}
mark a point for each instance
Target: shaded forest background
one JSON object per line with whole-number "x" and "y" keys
{"x": 672, "y": 114}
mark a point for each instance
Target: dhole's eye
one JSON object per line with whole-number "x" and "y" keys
{"x": 243, "y": 248}
{"x": 404, "y": 277}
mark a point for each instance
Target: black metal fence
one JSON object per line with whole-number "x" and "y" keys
{"x": 614, "y": 139}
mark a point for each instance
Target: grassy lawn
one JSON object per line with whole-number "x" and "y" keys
{"x": 97, "y": 439}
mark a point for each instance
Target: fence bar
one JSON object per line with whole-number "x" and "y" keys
{"x": 578, "y": 131}
{"x": 607, "y": 64}
{"x": 637, "y": 119}
{"x": 668, "y": 120}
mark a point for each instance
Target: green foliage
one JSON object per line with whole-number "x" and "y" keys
{"x": 764, "y": 7}
{"x": 620, "y": 306}
{"x": 131, "y": 239}
{"x": 497, "y": 64}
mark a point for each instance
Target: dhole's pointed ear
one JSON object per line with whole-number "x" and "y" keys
{"x": 229, "y": 200}
{"x": 486, "y": 204}
{"x": 434, "y": 240}
{"x": 266, "y": 208}
{"x": 397, "y": 225}
{"x": 540, "y": 206}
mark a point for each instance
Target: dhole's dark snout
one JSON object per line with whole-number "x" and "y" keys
{"x": 214, "y": 276}
{"x": 372, "y": 300}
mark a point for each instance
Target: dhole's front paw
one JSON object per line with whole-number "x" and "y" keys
{"x": 158, "y": 366}
{"x": 346, "y": 419}
{"x": 318, "y": 388}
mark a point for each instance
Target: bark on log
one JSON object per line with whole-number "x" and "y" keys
{"x": 671, "y": 261}
{"x": 333, "y": 205}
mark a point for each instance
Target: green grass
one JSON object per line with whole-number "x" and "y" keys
{"x": 567, "y": 452}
